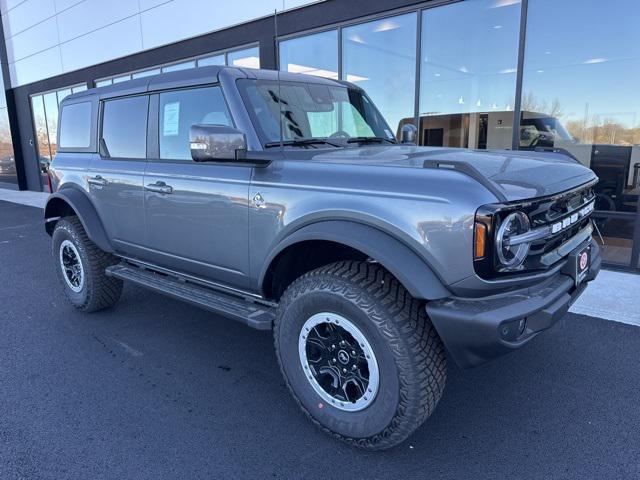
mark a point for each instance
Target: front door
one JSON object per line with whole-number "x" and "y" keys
{"x": 116, "y": 175}
{"x": 196, "y": 213}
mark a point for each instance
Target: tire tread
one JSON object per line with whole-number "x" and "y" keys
{"x": 417, "y": 348}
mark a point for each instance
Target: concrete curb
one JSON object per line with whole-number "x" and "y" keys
{"x": 32, "y": 199}
{"x": 610, "y": 296}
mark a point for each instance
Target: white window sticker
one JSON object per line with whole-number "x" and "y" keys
{"x": 171, "y": 119}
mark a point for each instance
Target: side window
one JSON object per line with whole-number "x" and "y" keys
{"x": 124, "y": 127}
{"x": 75, "y": 125}
{"x": 182, "y": 108}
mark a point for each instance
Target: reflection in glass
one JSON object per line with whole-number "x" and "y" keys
{"x": 146, "y": 73}
{"x": 214, "y": 60}
{"x": 179, "y": 66}
{"x": 51, "y": 111}
{"x": 79, "y": 88}
{"x": 62, "y": 94}
{"x": 468, "y": 74}
{"x": 121, "y": 78}
{"x": 103, "y": 83}
{"x": 248, "y": 58}
{"x": 310, "y": 111}
{"x": 578, "y": 95}
{"x": 75, "y": 125}
{"x": 124, "y": 127}
{"x": 42, "y": 136}
{"x": 313, "y": 54}
{"x": 7, "y": 159}
{"x": 380, "y": 57}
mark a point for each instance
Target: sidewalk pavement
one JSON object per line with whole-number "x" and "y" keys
{"x": 612, "y": 296}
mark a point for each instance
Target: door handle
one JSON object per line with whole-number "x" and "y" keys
{"x": 98, "y": 181}
{"x": 159, "y": 187}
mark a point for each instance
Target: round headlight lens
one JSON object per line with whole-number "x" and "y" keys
{"x": 512, "y": 256}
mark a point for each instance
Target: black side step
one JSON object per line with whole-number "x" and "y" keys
{"x": 256, "y": 316}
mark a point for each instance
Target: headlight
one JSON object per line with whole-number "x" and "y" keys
{"x": 510, "y": 253}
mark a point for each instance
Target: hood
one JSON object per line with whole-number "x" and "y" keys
{"x": 510, "y": 175}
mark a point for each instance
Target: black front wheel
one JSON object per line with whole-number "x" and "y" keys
{"x": 359, "y": 354}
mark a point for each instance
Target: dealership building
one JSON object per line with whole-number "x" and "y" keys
{"x": 546, "y": 75}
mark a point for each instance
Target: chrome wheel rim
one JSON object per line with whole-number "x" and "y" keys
{"x": 338, "y": 362}
{"x": 71, "y": 266}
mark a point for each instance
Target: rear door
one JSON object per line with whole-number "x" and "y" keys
{"x": 196, "y": 213}
{"x": 116, "y": 175}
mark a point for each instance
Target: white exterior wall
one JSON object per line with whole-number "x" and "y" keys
{"x": 45, "y": 38}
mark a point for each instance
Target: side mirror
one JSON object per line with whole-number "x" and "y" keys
{"x": 216, "y": 143}
{"x": 408, "y": 133}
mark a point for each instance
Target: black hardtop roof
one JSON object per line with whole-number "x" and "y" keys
{"x": 192, "y": 77}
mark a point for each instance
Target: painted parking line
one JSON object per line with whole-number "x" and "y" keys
{"x": 610, "y": 296}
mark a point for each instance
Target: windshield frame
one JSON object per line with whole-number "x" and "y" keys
{"x": 264, "y": 137}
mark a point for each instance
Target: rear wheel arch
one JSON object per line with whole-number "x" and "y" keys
{"x": 72, "y": 201}
{"x": 348, "y": 241}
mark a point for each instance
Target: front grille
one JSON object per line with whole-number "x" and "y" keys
{"x": 555, "y": 219}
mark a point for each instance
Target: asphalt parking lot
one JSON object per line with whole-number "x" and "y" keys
{"x": 157, "y": 389}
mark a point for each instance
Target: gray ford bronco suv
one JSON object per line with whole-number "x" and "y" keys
{"x": 285, "y": 202}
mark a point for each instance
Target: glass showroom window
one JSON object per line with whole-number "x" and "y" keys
{"x": 247, "y": 58}
{"x": 41, "y": 133}
{"x": 177, "y": 66}
{"x": 579, "y": 93}
{"x": 7, "y": 158}
{"x": 380, "y": 57}
{"x": 45, "y": 122}
{"x": 315, "y": 54}
{"x": 468, "y": 74}
{"x": 213, "y": 60}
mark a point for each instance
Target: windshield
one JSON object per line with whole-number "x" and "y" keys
{"x": 312, "y": 111}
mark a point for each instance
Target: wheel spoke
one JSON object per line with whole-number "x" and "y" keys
{"x": 338, "y": 357}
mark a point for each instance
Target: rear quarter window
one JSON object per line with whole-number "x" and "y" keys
{"x": 75, "y": 125}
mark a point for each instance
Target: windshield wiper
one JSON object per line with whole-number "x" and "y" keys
{"x": 370, "y": 140}
{"x": 303, "y": 142}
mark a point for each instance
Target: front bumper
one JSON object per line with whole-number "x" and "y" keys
{"x": 475, "y": 330}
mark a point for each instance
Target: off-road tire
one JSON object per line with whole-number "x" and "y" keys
{"x": 98, "y": 291}
{"x": 409, "y": 352}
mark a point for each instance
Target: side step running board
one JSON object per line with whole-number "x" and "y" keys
{"x": 256, "y": 316}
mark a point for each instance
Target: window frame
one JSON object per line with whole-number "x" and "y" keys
{"x": 153, "y": 123}
{"x": 103, "y": 101}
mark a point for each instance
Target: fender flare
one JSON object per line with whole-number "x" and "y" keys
{"x": 407, "y": 266}
{"x": 85, "y": 211}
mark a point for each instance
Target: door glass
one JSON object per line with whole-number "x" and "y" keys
{"x": 124, "y": 127}
{"x": 380, "y": 57}
{"x": 75, "y": 125}
{"x": 467, "y": 96}
{"x": 180, "y": 110}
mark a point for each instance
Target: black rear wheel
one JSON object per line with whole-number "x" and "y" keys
{"x": 359, "y": 354}
{"x": 80, "y": 266}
